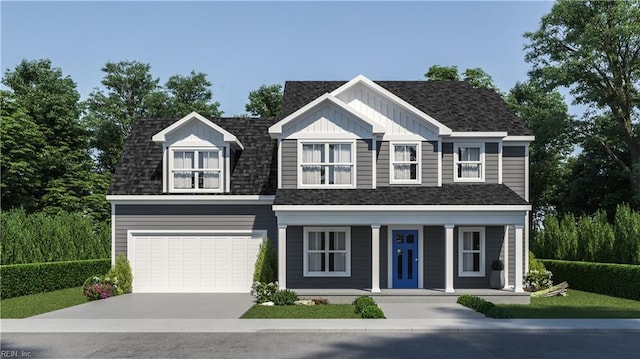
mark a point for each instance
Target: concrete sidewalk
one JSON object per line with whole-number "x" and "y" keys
{"x": 305, "y": 325}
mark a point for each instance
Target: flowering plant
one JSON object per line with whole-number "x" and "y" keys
{"x": 100, "y": 287}
{"x": 536, "y": 280}
{"x": 264, "y": 292}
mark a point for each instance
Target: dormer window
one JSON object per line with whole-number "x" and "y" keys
{"x": 469, "y": 162}
{"x": 196, "y": 170}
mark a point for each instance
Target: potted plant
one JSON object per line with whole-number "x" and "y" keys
{"x": 496, "y": 280}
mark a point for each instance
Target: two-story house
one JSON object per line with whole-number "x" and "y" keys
{"x": 359, "y": 184}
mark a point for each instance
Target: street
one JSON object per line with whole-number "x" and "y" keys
{"x": 448, "y": 344}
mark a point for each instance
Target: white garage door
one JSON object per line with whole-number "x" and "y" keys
{"x": 193, "y": 263}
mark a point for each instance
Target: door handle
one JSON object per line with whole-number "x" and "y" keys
{"x": 416, "y": 259}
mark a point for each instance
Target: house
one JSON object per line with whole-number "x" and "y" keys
{"x": 359, "y": 184}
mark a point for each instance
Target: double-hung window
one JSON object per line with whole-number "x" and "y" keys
{"x": 471, "y": 254}
{"x": 327, "y": 164}
{"x": 469, "y": 166}
{"x": 327, "y": 252}
{"x": 196, "y": 170}
{"x": 405, "y": 163}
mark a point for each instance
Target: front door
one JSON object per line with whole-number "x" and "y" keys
{"x": 405, "y": 258}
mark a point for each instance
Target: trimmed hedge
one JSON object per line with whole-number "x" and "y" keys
{"x": 485, "y": 307}
{"x": 618, "y": 280}
{"x": 23, "y": 279}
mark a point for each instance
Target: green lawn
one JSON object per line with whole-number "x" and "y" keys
{"x": 34, "y": 304}
{"x": 327, "y": 311}
{"x": 577, "y": 304}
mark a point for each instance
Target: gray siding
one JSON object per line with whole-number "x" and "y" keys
{"x": 447, "y": 162}
{"x": 360, "y": 262}
{"x": 434, "y": 256}
{"x": 494, "y": 236}
{"x": 193, "y": 217}
{"x": 364, "y": 170}
{"x": 289, "y": 164}
{"x": 491, "y": 158}
{"x": 513, "y": 168}
{"x": 429, "y": 164}
{"x": 512, "y": 256}
{"x": 382, "y": 164}
{"x": 384, "y": 276}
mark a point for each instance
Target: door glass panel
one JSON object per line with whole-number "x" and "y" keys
{"x": 399, "y": 238}
{"x": 399, "y": 254}
{"x": 410, "y": 238}
{"x": 410, "y": 264}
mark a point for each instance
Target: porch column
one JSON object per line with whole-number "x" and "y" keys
{"x": 282, "y": 255}
{"x": 448, "y": 258}
{"x": 375, "y": 258}
{"x": 518, "y": 261}
{"x": 505, "y": 245}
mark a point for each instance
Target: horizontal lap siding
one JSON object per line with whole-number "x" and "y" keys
{"x": 513, "y": 168}
{"x": 447, "y": 162}
{"x": 382, "y": 164}
{"x": 192, "y": 217}
{"x": 360, "y": 262}
{"x": 364, "y": 171}
{"x": 512, "y": 256}
{"x": 430, "y": 163}
{"x": 289, "y": 164}
{"x": 494, "y": 237}
{"x": 434, "y": 256}
{"x": 491, "y": 158}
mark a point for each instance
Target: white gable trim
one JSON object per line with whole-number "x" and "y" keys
{"x": 442, "y": 129}
{"x": 228, "y": 137}
{"x": 479, "y": 134}
{"x": 276, "y": 130}
{"x": 520, "y": 138}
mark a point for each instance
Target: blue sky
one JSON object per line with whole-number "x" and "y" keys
{"x": 241, "y": 45}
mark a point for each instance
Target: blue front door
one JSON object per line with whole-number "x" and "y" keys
{"x": 405, "y": 258}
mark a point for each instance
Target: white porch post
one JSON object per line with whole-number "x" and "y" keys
{"x": 518, "y": 261}
{"x": 448, "y": 258}
{"x": 505, "y": 245}
{"x": 282, "y": 255}
{"x": 375, "y": 258}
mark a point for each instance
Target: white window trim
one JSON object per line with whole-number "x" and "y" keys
{"x": 483, "y": 254}
{"x": 456, "y": 161}
{"x": 222, "y": 164}
{"x": 305, "y": 267}
{"x": 328, "y": 142}
{"x": 392, "y": 150}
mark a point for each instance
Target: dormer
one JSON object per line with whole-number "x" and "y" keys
{"x": 196, "y": 155}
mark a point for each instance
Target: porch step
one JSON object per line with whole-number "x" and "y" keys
{"x": 414, "y": 295}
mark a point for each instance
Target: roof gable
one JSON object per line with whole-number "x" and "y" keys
{"x": 203, "y": 123}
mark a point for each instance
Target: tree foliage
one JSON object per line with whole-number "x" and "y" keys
{"x": 593, "y": 48}
{"x": 265, "y": 101}
{"x": 190, "y": 93}
{"x": 477, "y": 77}
{"x": 442, "y": 73}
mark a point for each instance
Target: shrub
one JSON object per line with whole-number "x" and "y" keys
{"x": 362, "y": 302}
{"x": 535, "y": 264}
{"x": 285, "y": 297}
{"x": 23, "y": 279}
{"x": 627, "y": 232}
{"x": 536, "y": 280}
{"x": 372, "y": 312}
{"x": 497, "y": 265}
{"x": 620, "y": 280}
{"x": 499, "y": 313}
{"x": 485, "y": 307}
{"x": 266, "y": 263}
{"x": 122, "y": 272}
{"x": 470, "y": 301}
{"x": 99, "y": 287}
{"x": 264, "y": 292}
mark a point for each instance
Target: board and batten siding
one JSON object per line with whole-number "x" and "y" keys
{"x": 192, "y": 217}
{"x": 360, "y": 262}
{"x": 513, "y": 168}
{"x": 289, "y": 166}
{"x": 429, "y": 164}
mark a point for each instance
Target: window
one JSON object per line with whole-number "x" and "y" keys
{"x": 327, "y": 252}
{"x": 471, "y": 255}
{"x": 196, "y": 170}
{"x": 405, "y": 163}
{"x": 469, "y": 160}
{"x": 327, "y": 164}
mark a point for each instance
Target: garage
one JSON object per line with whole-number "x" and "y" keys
{"x": 192, "y": 263}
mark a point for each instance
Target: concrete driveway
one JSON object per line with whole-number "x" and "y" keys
{"x": 159, "y": 306}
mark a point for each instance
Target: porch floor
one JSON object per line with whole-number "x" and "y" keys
{"x": 415, "y": 295}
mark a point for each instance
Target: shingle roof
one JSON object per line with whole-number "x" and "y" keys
{"x": 139, "y": 171}
{"x": 452, "y": 194}
{"x": 456, "y": 104}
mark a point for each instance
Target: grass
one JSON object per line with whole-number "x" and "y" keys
{"x": 327, "y": 311}
{"x": 34, "y": 304}
{"x": 577, "y": 304}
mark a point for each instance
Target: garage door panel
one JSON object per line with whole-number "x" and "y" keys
{"x": 194, "y": 263}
